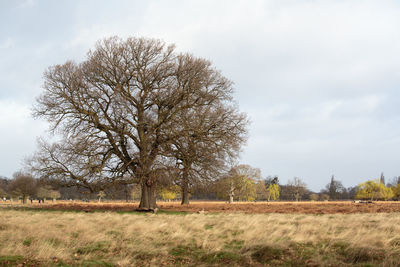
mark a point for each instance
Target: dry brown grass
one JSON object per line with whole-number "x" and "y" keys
{"x": 78, "y": 238}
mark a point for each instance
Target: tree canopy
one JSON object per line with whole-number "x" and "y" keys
{"x": 23, "y": 185}
{"x": 374, "y": 190}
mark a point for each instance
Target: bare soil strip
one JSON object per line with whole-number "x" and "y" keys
{"x": 222, "y": 207}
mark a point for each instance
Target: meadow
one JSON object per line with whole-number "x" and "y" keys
{"x": 54, "y": 237}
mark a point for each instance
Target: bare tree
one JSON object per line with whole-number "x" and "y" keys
{"x": 298, "y": 188}
{"x": 125, "y": 98}
{"x": 3, "y": 187}
{"x": 2, "y": 193}
{"x": 100, "y": 195}
{"x": 210, "y": 137}
{"x": 23, "y": 185}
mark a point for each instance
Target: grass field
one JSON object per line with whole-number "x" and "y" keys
{"x": 42, "y": 237}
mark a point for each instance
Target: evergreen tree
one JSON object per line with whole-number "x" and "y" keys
{"x": 382, "y": 179}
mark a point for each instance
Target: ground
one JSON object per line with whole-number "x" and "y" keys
{"x": 344, "y": 207}
{"x": 206, "y": 234}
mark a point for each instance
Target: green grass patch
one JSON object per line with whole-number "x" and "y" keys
{"x": 186, "y": 251}
{"x": 237, "y": 232}
{"x": 10, "y": 259}
{"x": 16, "y": 260}
{"x": 114, "y": 233}
{"x": 305, "y": 251}
{"x": 208, "y": 226}
{"x": 96, "y": 263}
{"x": 74, "y": 234}
{"x": 362, "y": 255}
{"x": 185, "y": 254}
{"x": 266, "y": 254}
{"x": 101, "y": 246}
{"x": 340, "y": 247}
{"x": 234, "y": 244}
{"x": 27, "y": 242}
{"x": 224, "y": 258}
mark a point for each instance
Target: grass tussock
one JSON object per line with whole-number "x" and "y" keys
{"x": 113, "y": 239}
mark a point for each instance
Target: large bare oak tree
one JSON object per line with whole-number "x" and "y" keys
{"x": 124, "y": 102}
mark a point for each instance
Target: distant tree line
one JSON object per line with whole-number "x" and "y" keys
{"x": 24, "y": 187}
{"x": 240, "y": 183}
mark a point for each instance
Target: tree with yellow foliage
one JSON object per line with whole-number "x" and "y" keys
{"x": 169, "y": 193}
{"x": 247, "y": 189}
{"x": 239, "y": 184}
{"x": 374, "y": 190}
{"x": 273, "y": 190}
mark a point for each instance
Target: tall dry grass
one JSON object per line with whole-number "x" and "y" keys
{"x": 126, "y": 239}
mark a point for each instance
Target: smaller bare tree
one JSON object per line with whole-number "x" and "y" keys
{"x": 3, "y": 193}
{"x": 23, "y": 185}
{"x": 298, "y": 188}
{"x": 101, "y": 195}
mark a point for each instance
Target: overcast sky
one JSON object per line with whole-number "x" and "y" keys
{"x": 320, "y": 80}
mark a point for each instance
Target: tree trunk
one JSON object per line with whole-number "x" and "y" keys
{"x": 231, "y": 193}
{"x": 185, "y": 195}
{"x": 185, "y": 188}
{"x": 148, "y": 198}
{"x": 126, "y": 193}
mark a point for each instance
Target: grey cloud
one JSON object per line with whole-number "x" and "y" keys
{"x": 319, "y": 79}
